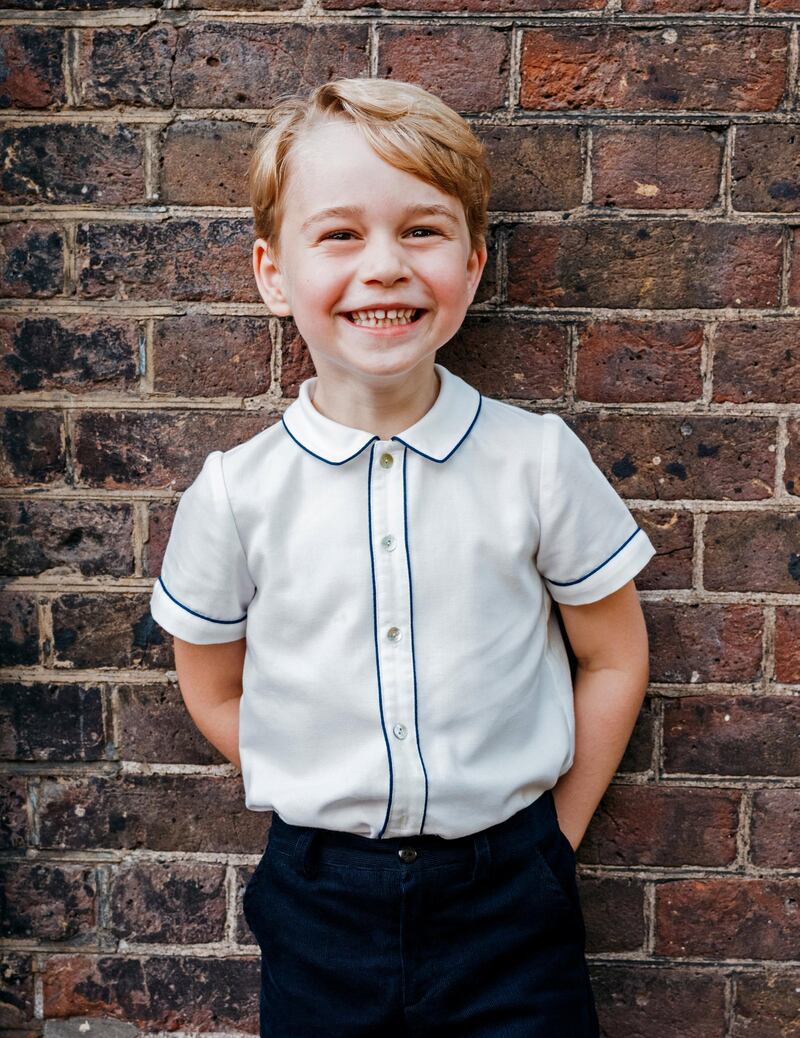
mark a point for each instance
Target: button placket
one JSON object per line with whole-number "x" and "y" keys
{"x": 395, "y": 656}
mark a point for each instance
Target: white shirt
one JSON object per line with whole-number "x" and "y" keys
{"x": 404, "y": 671}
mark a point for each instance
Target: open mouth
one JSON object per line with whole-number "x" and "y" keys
{"x": 384, "y": 318}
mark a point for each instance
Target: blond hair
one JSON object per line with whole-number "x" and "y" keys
{"x": 408, "y": 127}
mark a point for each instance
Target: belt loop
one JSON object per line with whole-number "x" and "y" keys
{"x": 483, "y": 857}
{"x": 302, "y": 854}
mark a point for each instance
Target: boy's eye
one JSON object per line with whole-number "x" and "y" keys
{"x": 334, "y": 235}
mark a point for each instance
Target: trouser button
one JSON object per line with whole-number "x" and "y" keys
{"x": 407, "y": 853}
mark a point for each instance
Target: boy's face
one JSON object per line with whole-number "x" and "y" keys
{"x": 383, "y": 256}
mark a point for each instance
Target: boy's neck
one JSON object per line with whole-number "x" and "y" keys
{"x": 385, "y": 411}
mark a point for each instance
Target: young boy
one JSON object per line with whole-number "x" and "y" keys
{"x": 362, "y": 602}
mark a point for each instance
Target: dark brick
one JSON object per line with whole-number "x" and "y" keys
{"x": 646, "y": 263}
{"x": 791, "y": 475}
{"x": 296, "y": 364}
{"x": 16, "y": 993}
{"x": 638, "y": 756}
{"x": 19, "y": 629}
{"x": 613, "y": 910}
{"x": 168, "y": 902}
{"x": 732, "y": 735}
{"x": 771, "y": 561}
{"x": 86, "y": 538}
{"x": 118, "y": 65}
{"x": 160, "y": 518}
{"x": 531, "y": 364}
{"x": 204, "y": 259}
{"x": 757, "y": 361}
{"x": 765, "y": 171}
{"x": 48, "y": 722}
{"x": 775, "y": 828}
{"x": 31, "y": 73}
{"x": 108, "y": 630}
{"x": 230, "y": 65}
{"x": 153, "y": 812}
{"x": 14, "y": 825}
{"x": 241, "y": 5}
{"x": 794, "y": 277}
{"x": 719, "y": 68}
{"x": 31, "y": 259}
{"x": 787, "y": 644}
{"x": 156, "y": 449}
{"x": 156, "y": 993}
{"x": 73, "y": 164}
{"x": 205, "y": 163}
{"x": 656, "y": 167}
{"x": 154, "y": 726}
{"x": 657, "y": 1002}
{"x": 78, "y": 354}
{"x": 31, "y": 448}
{"x": 663, "y": 826}
{"x": 204, "y": 355}
{"x": 671, "y": 534}
{"x": 694, "y": 456}
{"x": 708, "y": 641}
{"x": 47, "y": 902}
{"x": 639, "y": 361}
{"x": 533, "y": 167}
{"x": 752, "y": 918}
{"x": 683, "y": 6}
{"x": 467, "y": 66}
{"x": 766, "y": 1004}
{"x": 524, "y": 7}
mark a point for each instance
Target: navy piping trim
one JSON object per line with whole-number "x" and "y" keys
{"x": 565, "y": 583}
{"x": 327, "y": 460}
{"x": 440, "y": 460}
{"x": 413, "y": 654}
{"x": 194, "y": 611}
{"x": 375, "y": 634}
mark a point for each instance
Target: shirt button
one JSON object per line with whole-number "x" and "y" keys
{"x": 394, "y": 634}
{"x": 389, "y": 542}
{"x": 387, "y": 461}
{"x": 407, "y": 853}
{"x": 400, "y": 731}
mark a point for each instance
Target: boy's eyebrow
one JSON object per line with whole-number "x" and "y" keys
{"x": 434, "y": 209}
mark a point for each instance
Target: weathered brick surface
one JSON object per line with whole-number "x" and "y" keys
{"x": 644, "y": 263}
{"x": 657, "y": 167}
{"x": 200, "y": 355}
{"x": 46, "y": 721}
{"x": 629, "y": 68}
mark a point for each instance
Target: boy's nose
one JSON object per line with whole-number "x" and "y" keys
{"x": 384, "y": 261}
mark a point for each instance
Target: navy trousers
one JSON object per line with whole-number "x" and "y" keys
{"x": 476, "y": 937}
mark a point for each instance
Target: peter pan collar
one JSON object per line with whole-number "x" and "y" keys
{"x": 440, "y": 431}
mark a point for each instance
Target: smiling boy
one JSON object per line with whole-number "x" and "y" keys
{"x": 362, "y": 602}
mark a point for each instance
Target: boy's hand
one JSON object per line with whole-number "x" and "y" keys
{"x": 210, "y": 680}
{"x": 609, "y": 639}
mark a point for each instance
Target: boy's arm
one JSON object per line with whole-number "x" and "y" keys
{"x": 210, "y": 680}
{"x": 609, "y": 639}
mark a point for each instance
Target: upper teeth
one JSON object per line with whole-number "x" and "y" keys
{"x": 366, "y": 315}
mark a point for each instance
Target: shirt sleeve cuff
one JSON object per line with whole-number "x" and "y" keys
{"x": 608, "y": 576}
{"x": 184, "y": 622}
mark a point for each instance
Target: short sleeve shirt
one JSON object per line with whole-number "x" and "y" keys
{"x": 404, "y": 671}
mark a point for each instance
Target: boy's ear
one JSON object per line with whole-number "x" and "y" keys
{"x": 477, "y": 261}
{"x": 269, "y": 279}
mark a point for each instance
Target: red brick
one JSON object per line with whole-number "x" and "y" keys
{"x": 732, "y": 735}
{"x": 44, "y": 721}
{"x": 467, "y": 66}
{"x": 31, "y": 67}
{"x": 663, "y": 826}
{"x": 771, "y": 561}
{"x": 74, "y": 353}
{"x": 204, "y": 259}
{"x": 727, "y": 918}
{"x": 683, "y": 6}
{"x": 794, "y": 277}
{"x": 787, "y": 644}
{"x": 638, "y": 756}
{"x": 230, "y": 65}
{"x": 775, "y": 828}
{"x": 757, "y": 361}
{"x": 671, "y": 534}
{"x": 730, "y": 68}
{"x": 523, "y": 7}
{"x": 533, "y": 167}
{"x": 708, "y": 641}
{"x": 657, "y": 167}
{"x": 46, "y": 901}
{"x": 168, "y": 902}
{"x": 765, "y": 170}
{"x": 296, "y": 363}
{"x": 766, "y": 1005}
{"x": 646, "y": 263}
{"x": 155, "y": 992}
{"x": 79, "y": 165}
{"x": 240, "y": 5}
{"x": 791, "y": 475}
{"x": 639, "y": 361}
{"x": 31, "y": 259}
{"x": 209, "y": 356}
{"x": 118, "y": 65}
{"x": 613, "y": 909}
{"x": 205, "y": 163}
{"x": 153, "y": 726}
{"x": 160, "y": 519}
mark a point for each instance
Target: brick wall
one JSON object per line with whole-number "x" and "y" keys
{"x": 643, "y": 282}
